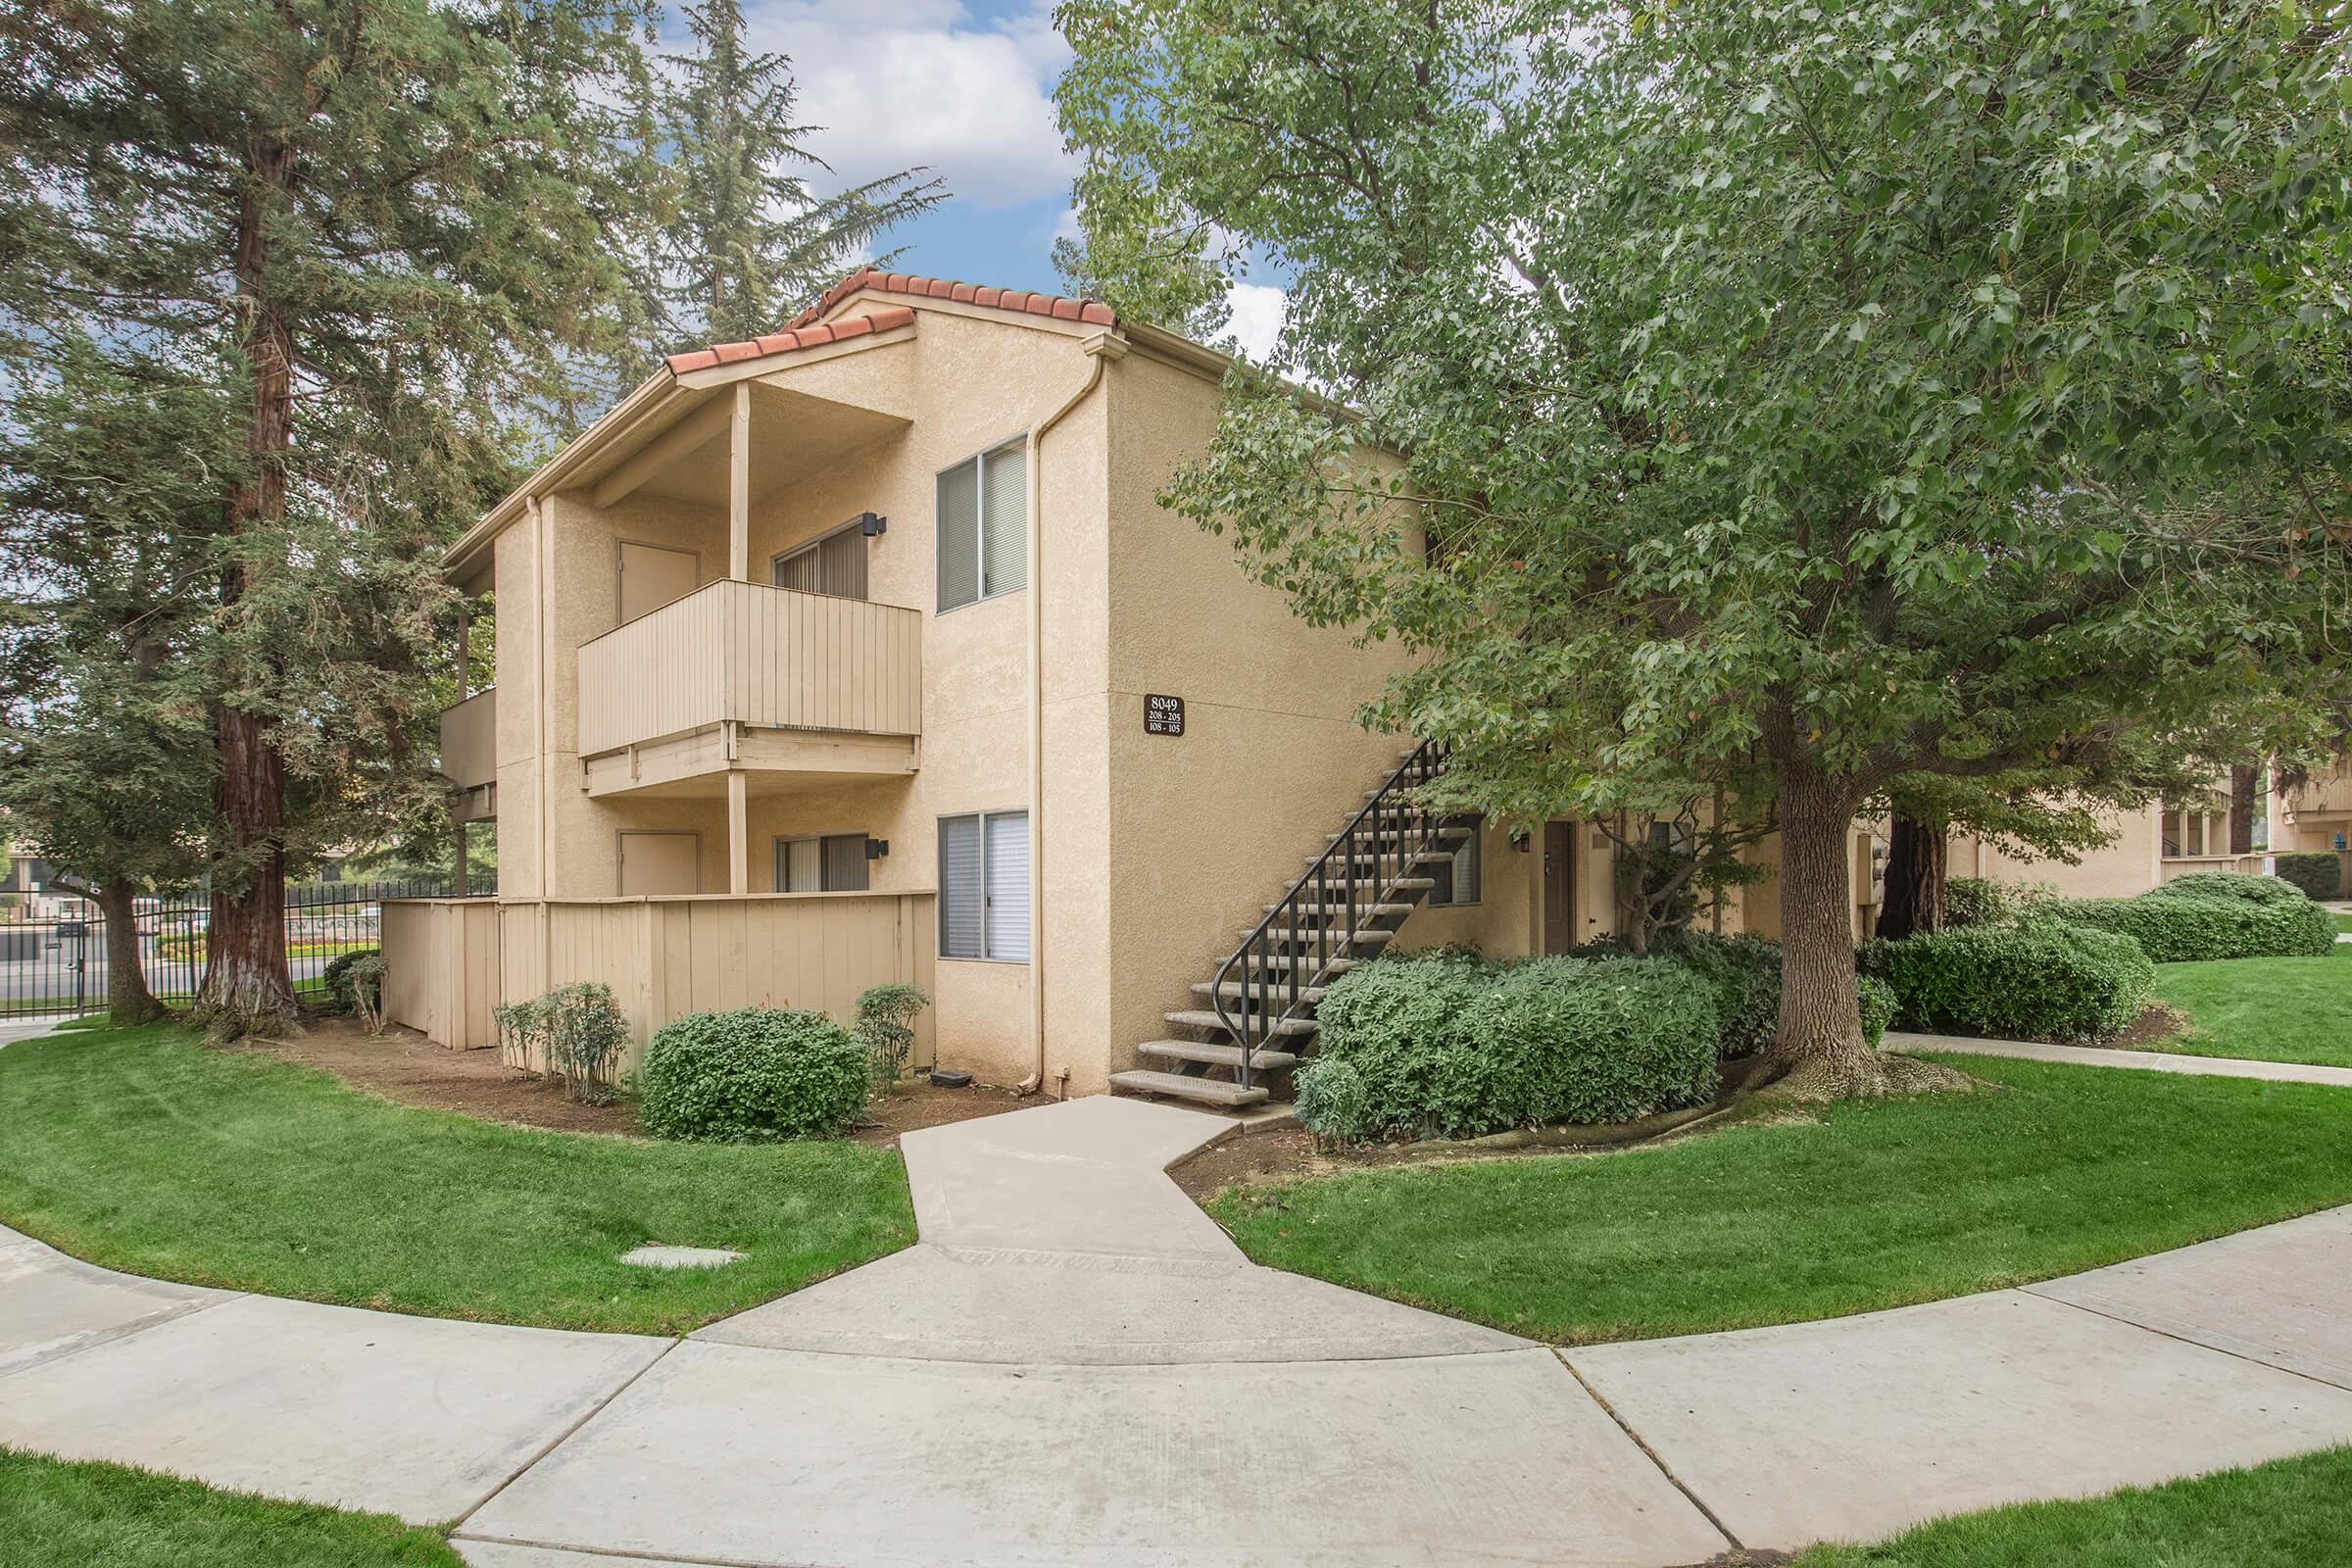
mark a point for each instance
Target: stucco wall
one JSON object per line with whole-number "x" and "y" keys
{"x": 2132, "y": 863}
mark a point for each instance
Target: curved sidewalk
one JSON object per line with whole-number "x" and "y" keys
{"x": 1075, "y": 1365}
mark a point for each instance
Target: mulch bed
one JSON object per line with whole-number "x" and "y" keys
{"x": 404, "y": 1066}
{"x": 2156, "y": 1025}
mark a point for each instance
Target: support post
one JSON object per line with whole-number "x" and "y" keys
{"x": 739, "y": 486}
{"x": 739, "y": 850}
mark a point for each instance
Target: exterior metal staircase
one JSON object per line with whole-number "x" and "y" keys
{"x": 1256, "y": 1016}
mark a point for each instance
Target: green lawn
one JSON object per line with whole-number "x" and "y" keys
{"x": 2265, "y": 1009}
{"x": 142, "y": 1150}
{"x": 2292, "y": 1513}
{"x": 59, "y": 1513}
{"x": 1871, "y": 1204}
{"x": 2343, "y": 922}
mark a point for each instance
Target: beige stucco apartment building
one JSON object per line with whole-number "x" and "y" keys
{"x": 864, "y": 651}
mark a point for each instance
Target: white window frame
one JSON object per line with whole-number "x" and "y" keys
{"x": 1475, "y": 849}
{"x": 939, "y": 578}
{"x": 981, "y": 819}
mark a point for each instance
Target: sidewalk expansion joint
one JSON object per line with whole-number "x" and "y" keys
{"x": 2179, "y": 1337}
{"x": 560, "y": 1438}
{"x": 1653, "y": 1454}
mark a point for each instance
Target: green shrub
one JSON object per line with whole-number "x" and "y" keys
{"x": 885, "y": 1028}
{"x": 755, "y": 1075}
{"x": 574, "y": 1033}
{"x": 2045, "y": 981}
{"x": 2226, "y": 915}
{"x": 1743, "y": 972}
{"x": 2320, "y": 873}
{"x": 1878, "y": 1008}
{"x": 1974, "y": 901}
{"x": 1444, "y": 1044}
{"x": 341, "y": 989}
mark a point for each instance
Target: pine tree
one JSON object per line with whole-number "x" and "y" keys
{"x": 749, "y": 242}
{"x": 383, "y": 235}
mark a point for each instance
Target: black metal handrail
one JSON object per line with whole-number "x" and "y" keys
{"x": 1379, "y": 845}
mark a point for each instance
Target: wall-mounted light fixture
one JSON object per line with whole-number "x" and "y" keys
{"x": 871, "y": 524}
{"x": 875, "y": 849}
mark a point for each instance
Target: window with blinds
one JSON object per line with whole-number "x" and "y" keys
{"x": 1457, "y": 878}
{"x": 984, "y": 886}
{"x": 833, "y": 863}
{"x": 983, "y": 507}
{"x": 834, "y": 564}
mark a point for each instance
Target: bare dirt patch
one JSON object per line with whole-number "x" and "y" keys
{"x": 405, "y": 1066}
{"x": 2156, "y": 1025}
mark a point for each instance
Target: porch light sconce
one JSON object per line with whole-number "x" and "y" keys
{"x": 875, "y": 849}
{"x": 870, "y": 524}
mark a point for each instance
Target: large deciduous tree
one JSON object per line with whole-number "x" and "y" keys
{"x": 1821, "y": 402}
{"x": 387, "y": 232}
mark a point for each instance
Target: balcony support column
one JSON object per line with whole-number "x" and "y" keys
{"x": 739, "y": 486}
{"x": 739, "y": 840}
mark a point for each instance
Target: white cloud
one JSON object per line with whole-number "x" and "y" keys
{"x": 924, "y": 82}
{"x": 1257, "y": 312}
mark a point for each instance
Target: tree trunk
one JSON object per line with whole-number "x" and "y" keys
{"x": 247, "y": 989}
{"x": 1820, "y": 1052}
{"x": 1915, "y": 867}
{"x": 2244, "y": 780}
{"x": 127, "y": 999}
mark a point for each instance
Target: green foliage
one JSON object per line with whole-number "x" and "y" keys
{"x": 1975, "y": 901}
{"x": 2208, "y": 914}
{"x": 748, "y": 243}
{"x": 2320, "y": 873}
{"x": 342, "y": 988}
{"x": 2045, "y": 981}
{"x": 753, "y": 1075}
{"x": 885, "y": 1028}
{"x": 1880, "y": 1005}
{"x": 1819, "y": 403}
{"x": 574, "y": 1032}
{"x": 1744, "y": 973}
{"x": 1447, "y": 1044}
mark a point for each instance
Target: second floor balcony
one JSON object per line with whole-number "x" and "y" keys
{"x": 739, "y": 676}
{"x": 469, "y": 755}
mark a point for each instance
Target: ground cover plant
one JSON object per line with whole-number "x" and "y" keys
{"x": 2046, "y": 1170}
{"x": 146, "y": 1151}
{"x": 61, "y": 1513}
{"x": 2289, "y": 1514}
{"x": 2262, "y": 1010}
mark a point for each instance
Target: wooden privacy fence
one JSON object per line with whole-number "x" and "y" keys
{"x": 448, "y": 962}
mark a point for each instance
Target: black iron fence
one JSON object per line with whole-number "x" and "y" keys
{"x": 58, "y": 966}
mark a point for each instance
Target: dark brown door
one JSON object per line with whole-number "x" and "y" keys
{"x": 1559, "y": 886}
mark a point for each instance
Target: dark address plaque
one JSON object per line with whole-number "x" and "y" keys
{"x": 1163, "y": 716}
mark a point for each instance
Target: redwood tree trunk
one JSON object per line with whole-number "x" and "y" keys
{"x": 1915, "y": 867}
{"x": 2243, "y": 780}
{"x": 247, "y": 988}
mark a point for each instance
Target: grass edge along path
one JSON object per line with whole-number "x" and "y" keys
{"x": 62, "y": 1511}
{"x": 2048, "y": 1170}
{"x": 145, "y": 1151}
{"x": 2289, "y": 1513}
{"x": 2262, "y": 1010}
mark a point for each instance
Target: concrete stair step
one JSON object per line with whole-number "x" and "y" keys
{"x": 1286, "y": 961}
{"x": 1314, "y": 932}
{"x": 1206, "y": 1019}
{"x": 1232, "y": 990}
{"x": 1367, "y": 859}
{"x": 1337, "y": 910}
{"x": 1390, "y": 835}
{"x": 1182, "y": 1086}
{"x": 1217, "y": 1055}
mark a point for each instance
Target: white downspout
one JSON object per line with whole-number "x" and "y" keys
{"x": 1100, "y": 346}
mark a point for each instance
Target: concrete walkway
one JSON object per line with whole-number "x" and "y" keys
{"x": 2284, "y": 1072}
{"x": 1075, "y": 1366}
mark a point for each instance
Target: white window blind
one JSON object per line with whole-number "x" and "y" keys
{"x": 984, "y": 886}
{"x": 983, "y": 507}
{"x": 834, "y": 863}
{"x": 962, "y": 903}
{"x": 1008, "y": 886}
{"x": 802, "y": 868}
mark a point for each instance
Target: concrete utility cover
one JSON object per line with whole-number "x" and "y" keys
{"x": 651, "y": 1256}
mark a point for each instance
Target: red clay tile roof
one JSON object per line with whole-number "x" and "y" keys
{"x": 806, "y": 330}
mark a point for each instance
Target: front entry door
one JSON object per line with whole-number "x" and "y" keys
{"x": 652, "y": 575}
{"x": 1559, "y": 886}
{"x": 657, "y": 863}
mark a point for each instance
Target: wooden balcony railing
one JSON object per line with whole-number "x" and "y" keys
{"x": 470, "y": 741}
{"x": 762, "y": 655}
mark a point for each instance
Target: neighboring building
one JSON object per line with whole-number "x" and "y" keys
{"x": 864, "y": 651}
{"x": 2151, "y": 846}
{"x": 2316, "y": 816}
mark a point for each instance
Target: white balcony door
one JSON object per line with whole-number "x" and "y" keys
{"x": 652, "y": 575}
{"x": 657, "y": 863}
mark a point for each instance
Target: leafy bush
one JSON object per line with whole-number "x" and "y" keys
{"x": 341, "y": 989}
{"x": 1444, "y": 1044}
{"x": 366, "y": 978}
{"x": 885, "y": 1028}
{"x": 574, "y": 1033}
{"x": 753, "y": 1075}
{"x": 2320, "y": 873}
{"x": 1878, "y": 1008}
{"x": 1970, "y": 900}
{"x": 1744, "y": 974}
{"x": 2045, "y": 981}
{"x": 2209, "y": 915}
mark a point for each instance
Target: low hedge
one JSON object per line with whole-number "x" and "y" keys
{"x": 341, "y": 985}
{"x": 2046, "y": 981}
{"x": 2320, "y": 873}
{"x": 753, "y": 1075}
{"x": 2209, "y": 915}
{"x": 1445, "y": 1043}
